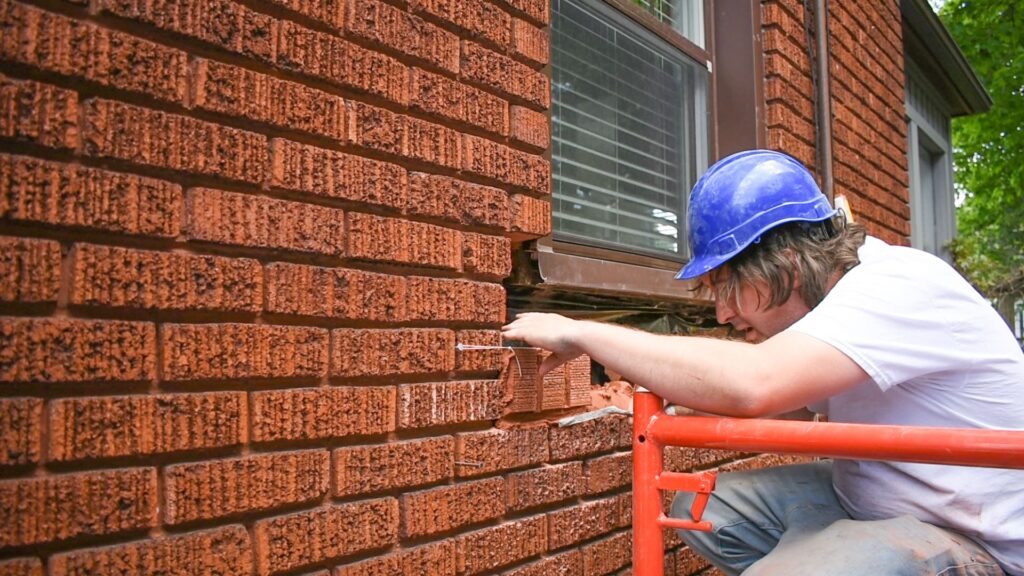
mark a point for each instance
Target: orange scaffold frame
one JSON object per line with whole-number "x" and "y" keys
{"x": 653, "y": 429}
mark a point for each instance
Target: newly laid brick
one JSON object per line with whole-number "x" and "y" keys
{"x": 530, "y": 127}
{"x": 458, "y": 201}
{"x": 441, "y": 96}
{"x": 66, "y": 350}
{"x": 311, "y": 170}
{"x": 233, "y": 351}
{"x": 530, "y": 42}
{"x": 235, "y": 91}
{"x": 478, "y": 18}
{"x": 608, "y": 555}
{"x": 36, "y": 113}
{"x": 387, "y": 26}
{"x": 531, "y": 217}
{"x": 373, "y": 352}
{"x": 486, "y": 255}
{"x": 20, "y": 430}
{"x": 290, "y": 542}
{"x": 366, "y": 469}
{"x": 22, "y": 567}
{"x": 504, "y": 75}
{"x": 259, "y": 222}
{"x": 433, "y": 143}
{"x": 436, "y": 559}
{"x": 545, "y": 485}
{"x": 112, "y": 426}
{"x": 39, "y": 192}
{"x": 486, "y": 550}
{"x": 150, "y": 280}
{"x": 500, "y": 449}
{"x": 30, "y": 270}
{"x": 311, "y": 413}
{"x": 225, "y": 551}
{"x": 598, "y": 435}
{"x": 342, "y": 63}
{"x": 445, "y": 403}
{"x": 563, "y": 387}
{"x": 335, "y": 293}
{"x": 570, "y": 526}
{"x": 55, "y": 508}
{"x": 219, "y": 488}
{"x": 449, "y": 300}
{"x": 480, "y": 360}
{"x": 393, "y": 240}
{"x": 448, "y": 507}
{"x": 608, "y": 472}
{"x": 565, "y": 564}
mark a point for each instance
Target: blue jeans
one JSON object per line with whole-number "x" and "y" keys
{"x": 787, "y": 521}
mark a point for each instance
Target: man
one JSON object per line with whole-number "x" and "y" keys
{"x": 853, "y": 328}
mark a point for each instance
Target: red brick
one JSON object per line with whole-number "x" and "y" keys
{"x": 480, "y": 360}
{"x": 680, "y": 459}
{"x": 537, "y": 10}
{"x": 162, "y": 140}
{"x": 449, "y": 507}
{"x": 30, "y": 270}
{"x": 234, "y": 351}
{"x": 57, "y": 44}
{"x": 313, "y": 413}
{"x": 545, "y": 485}
{"x": 221, "y": 23}
{"x": 486, "y": 255}
{"x": 500, "y": 449}
{"x": 433, "y": 143}
{"x": 564, "y": 387}
{"x": 436, "y": 559}
{"x": 66, "y": 350}
{"x": 378, "y": 129}
{"x": 530, "y": 127}
{"x": 55, "y": 508}
{"x": 335, "y": 293}
{"x": 530, "y": 42}
{"x": 608, "y": 472}
{"x": 531, "y": 217}
{"x": 237, "y": 91}
{"x": 689, "y": 562}
{"x": 21, "y": 567}
{"x": 480, "y": 19}
{"x": 383, "y": 239}
{"x": 259, "y": 222}
{"x": 566, "y": 564}
{"x": 393, "y": 29}
{"x": 20, "y": 431}
{"x": 330, "y": 12}
{"x": 219, "y": 488}
{"x": 448, "y": 300}
{"x": 506, "y": 165}
{"x": 590, "y": 437}
{"x": 441, "y": 96}
{"x": 286, "y": 543}
{"x": 446, "y": 403}
{"x": 39, "y": 192}
{"x": 126, "y": 278}
{"x": 366, "y": 469}
{"x": 608, "y": 555}
{"x": 504, "y": 75}
{"x": 529, "y": 171}
{"x": 341, "y": 63}
{"x": 373, "y": 352}
{"x": 134, "y": 426}
{"x": 458, "y": 201}
{"x": 302, "y": 168}
{"x": 486, "y": 550}
{"x": 225, "y": 551}
{"x": 571, "y": 526}
{"x": 34, "y": 113}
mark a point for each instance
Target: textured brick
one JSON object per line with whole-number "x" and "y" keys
{"x": 433, "y": 143}
{"x": 34, "y": 113}
{"x": 486, "y": 550}
{"x": 335, "y": 293}
{"x": 126, "y": 278}
{"x": 237, "y": 91}
{"x": 530, "y": 42}
{"x": 479, "y": 18}
{"x": 209, "y": 490}
{"x": 259, "y": 222}
{"x": 436, "y": 559}
{"x": 342, "y": 63}
{"x": 480, "y": 360}
{"x": 500, "y": 449}
{"x": 21, "y": 567}
{"x": 530, "y": 127}
{"x": 39, "y": 192}
{"x": 608, "y": 472}
{"x": 689, "y": 562}
{"x": 55, "y": 508}
{"x": 312, "y": 413}
{"x": 366, "y": 469}
{"x": 65, "y": 350}
{"x": 30, "y": 270}
{"x": 608, "y": 555}
{"x": 531, "y": 217}
{"x": 398, "y": 241}
{"x": 445, "y": 403}
{"x": 330, "y": 12}
{"x": 289, "y": 542}
{"x": 222, "y": 23}
{"x": 233, "y": 351}
{"x": 574, "y": 525}
{"x": 537, "y": 10}
{"x": 112, "y": 426}
{"x": 448, "y": 507}
{"x": 458, "y": 201}
{"x": 390, "y": 27}
{"x": 545, "y": 485}
{"x": 681, "y": 459}
{"x": 441, "y": 299}
{"x": 302, "y": 168}
{"x": 371, "y": 352}
{"x": 226, "y": 551}
{"x": 504, "y": 75}
{"x": 564, "y": 387}
{"x": 162, "y": 140}
{"x": 566, "y": 564}
{"x": 447, "y": 98}
{"x": 20, "y": 431}
{"x": 496, "y": 161}
{"x": 591, "y": 437}
{"x": 486, "y": 255}
{"x": 378, "y": 129}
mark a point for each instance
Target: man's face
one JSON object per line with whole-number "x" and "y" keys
{"x": 749, "y": 312}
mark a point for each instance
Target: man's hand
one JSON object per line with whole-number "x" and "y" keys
{"x": 552, "y": 332}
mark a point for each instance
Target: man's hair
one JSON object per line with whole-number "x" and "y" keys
{"x": 813, "y": 250}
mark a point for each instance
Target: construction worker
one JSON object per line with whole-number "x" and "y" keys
{"x": 852, "y": 328}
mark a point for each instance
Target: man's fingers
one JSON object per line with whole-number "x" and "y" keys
{"x": 550, "y": 363}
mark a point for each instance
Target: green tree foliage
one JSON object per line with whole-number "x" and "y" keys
{"x": 989, "y": 148}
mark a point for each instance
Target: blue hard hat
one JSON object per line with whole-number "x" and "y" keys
{"x": 741, "y": 197}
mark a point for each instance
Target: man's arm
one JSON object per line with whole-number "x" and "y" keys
{"x": 784, "y": 373}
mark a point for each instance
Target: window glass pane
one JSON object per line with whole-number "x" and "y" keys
{"x": 684, "y": 16}
{"x": 629, "y": 131}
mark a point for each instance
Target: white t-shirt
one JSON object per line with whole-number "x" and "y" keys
{"x": 938, "y": 355}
